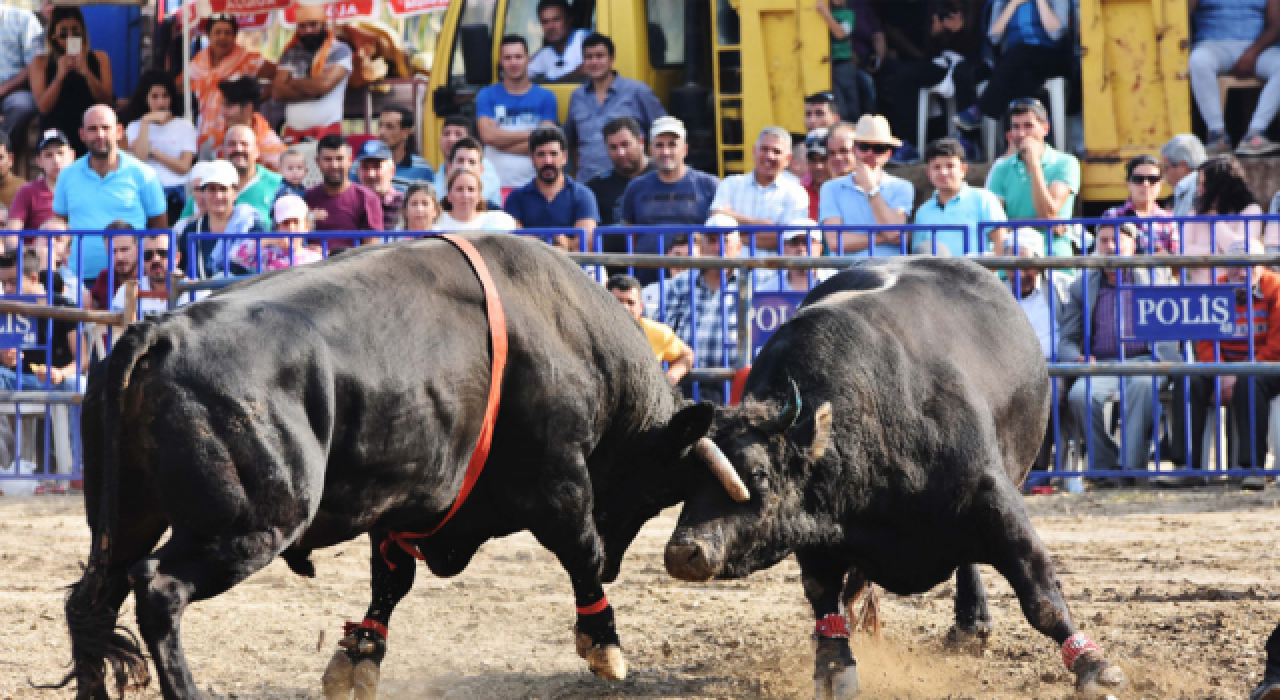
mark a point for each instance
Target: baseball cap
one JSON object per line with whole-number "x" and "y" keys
{"x": 666, "y": 125}
{"x": 220, "y": 172}
{"x": 48, "y": 136}
{"x": 289, "y": 206}
{"x": 816, "y": 142}
{"x": 374, "y": 149}
{"x": 1026, "y": 240}
{"x": 802, "y": 230}
{"x": 823, "y": 96}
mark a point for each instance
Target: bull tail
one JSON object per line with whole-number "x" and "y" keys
{"x": 92, "y": 605}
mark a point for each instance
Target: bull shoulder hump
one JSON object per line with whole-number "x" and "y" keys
{"x": 881, "y": 280}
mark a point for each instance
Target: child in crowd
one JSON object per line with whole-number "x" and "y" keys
{"x": 293, "y": 168}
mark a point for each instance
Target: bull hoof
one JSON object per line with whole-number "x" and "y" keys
{"x": 837, "y": 685}
{"x": 337, "y": 678}
{"x": 365, "y": 680}
{"x": 1096, "y": 677}
{"x": 605, "y": 661}
{"x": 969, "y": 639}
{"x": 1266, "y": 690}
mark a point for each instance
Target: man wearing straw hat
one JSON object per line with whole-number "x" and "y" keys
{"x": 868, "y": 195}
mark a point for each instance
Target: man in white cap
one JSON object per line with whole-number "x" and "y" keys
{"x": 763, "y": 197}
{"x": 312, "y": 77}
{"x": 802, "y": 241}
{"x": 868, "y": 195}
{"x": 672, "y": 195}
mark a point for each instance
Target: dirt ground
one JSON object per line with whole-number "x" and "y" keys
{"x": 1178, "y": 587}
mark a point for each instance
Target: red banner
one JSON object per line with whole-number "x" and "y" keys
{"x": 409, "y": 8}
{"x": 244, "y": 7}
{"x": 248, "y": 21}
{"x": 342, "y": 11}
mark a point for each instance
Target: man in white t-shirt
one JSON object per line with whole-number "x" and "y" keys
{"x": 560, "y": 57}
{"x": 312, "y": 78}
{"x": 155, "y": 262}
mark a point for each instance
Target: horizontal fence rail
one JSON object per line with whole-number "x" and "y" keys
{"x": 752, "y": 267}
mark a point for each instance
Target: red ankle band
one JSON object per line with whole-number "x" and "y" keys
{"x": 595, "y": 608}
{"x": 832, "y": 626}
{"x": 366, "y": 624}
{"x": 1075, "y": 646}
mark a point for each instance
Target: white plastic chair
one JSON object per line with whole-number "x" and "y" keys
{"x": 60, "y": 430}
{"x": 1057, "y": 89}
{"x": 922, "y": 120}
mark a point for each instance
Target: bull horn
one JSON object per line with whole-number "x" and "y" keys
{"x": 790, "y": 412}
{"x": 722, "y": 468}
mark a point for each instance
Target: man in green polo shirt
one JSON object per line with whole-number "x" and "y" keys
{"x": 1038, "y": 182}
{"x": 258, "y": 185}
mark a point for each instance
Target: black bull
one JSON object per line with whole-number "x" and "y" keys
{"x": 304, "y": 407}
{"x": 884, "y": 430}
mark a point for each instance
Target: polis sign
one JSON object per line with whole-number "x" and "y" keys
{"x": 1192, "y": 312}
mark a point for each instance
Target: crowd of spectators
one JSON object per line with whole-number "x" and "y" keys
{"x": 217, "y": 185}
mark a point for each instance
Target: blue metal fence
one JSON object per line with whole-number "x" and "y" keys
{"x": 739, "y": 305}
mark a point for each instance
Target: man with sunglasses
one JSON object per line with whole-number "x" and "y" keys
{"x": 867, "y": 196}
{"x": 1037, "y": 181}
{"x": 155, "y": 268}
{"x": 312, "y": 78}
{"x": 1144, "y": 177}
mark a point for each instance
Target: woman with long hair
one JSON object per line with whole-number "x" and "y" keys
{"x": 421, "y": 208}
{"x": 70, "y": 77}
{"x": 1222, "y": 191}
{"x": 464, "y": 207}
{"x": 159, "y": 135}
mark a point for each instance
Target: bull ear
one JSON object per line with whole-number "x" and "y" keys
{"x": 690, "y": 424}
{"x": 817, "y": 431}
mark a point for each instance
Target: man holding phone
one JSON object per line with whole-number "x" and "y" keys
{"x": 1038, "y": 181}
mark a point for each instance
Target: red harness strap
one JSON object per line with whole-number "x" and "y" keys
{"x": 366, "y": 624}
{"x": 498, "y": 338}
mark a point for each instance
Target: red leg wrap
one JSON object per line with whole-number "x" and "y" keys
{"x": 595, "y": 608}
{"x": 1076, "y": 645}
{"x": 832, "y": 626}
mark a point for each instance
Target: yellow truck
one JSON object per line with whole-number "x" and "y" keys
{"x": 728, "y": 68}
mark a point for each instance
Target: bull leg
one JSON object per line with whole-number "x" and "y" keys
{"x": 973, "y": 617}
{"x": 1269, "y": 688}
{"x": 1020, "y": 557}
{"x": 356, "y": 665}
{"x": 835, "y": 675}
{"x": 577, "y": 545}
{"x": 93, "y": 607}
{"x": 183, "y": 571}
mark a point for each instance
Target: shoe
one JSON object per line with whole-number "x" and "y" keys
{"x": 969, "y": 119}
{"x": 1256, "y": 145}
{"x": 905, "y": 155}
{"x": 1217, "y": 143}
{"x": 1253, "y": 482}
{"x": 1178, "y": 482}
{"x": 1266, "y": 690}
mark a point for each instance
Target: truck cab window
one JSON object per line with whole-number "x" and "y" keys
{"x": 666, "y": 20}
{"x": 555, "y": 30}
{"x": 472, "y": 62}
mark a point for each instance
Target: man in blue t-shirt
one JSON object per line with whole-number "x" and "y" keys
{"x": 673, "y": 194}
{"x": 509, "y": 111}
{"x": 552, "y": 199}
{"x": 103, "y": 186}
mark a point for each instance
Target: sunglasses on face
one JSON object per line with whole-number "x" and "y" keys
{"x": 1145, "y": 179}
{"x": 876, "y": 148}
{"x": 148, "y": 256}
{"x": 816, "y": 157}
